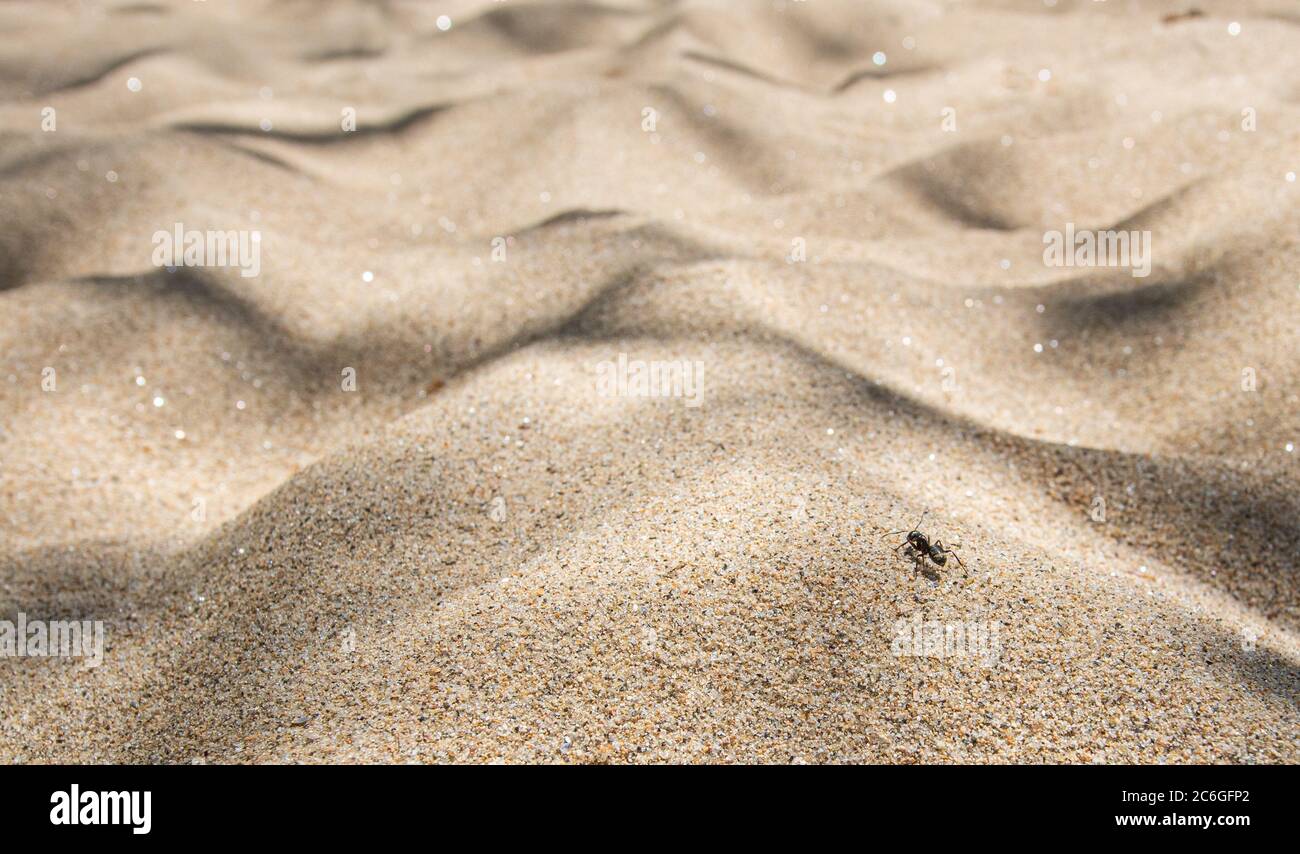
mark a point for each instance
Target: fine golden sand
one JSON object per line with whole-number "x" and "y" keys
{"x": 836, "y": 209}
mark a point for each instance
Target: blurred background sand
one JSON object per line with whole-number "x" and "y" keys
{"x": 476, "y": 557}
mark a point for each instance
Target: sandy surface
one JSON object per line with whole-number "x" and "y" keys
{"x": 476, "y": 556}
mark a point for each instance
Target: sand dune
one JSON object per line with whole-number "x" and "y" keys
{"x": 474, "y": 555}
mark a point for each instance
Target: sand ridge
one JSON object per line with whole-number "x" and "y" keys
{"x": 476, "y": 556}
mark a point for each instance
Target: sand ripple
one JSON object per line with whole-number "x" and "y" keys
{"x": 475, "y": 556}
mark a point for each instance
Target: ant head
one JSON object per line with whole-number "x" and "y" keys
{"x": 919, "y": 541}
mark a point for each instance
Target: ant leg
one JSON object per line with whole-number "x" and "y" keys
{"x": 954, "y": 554}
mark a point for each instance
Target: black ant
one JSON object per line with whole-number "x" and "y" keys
{"x": 922, "y": 547}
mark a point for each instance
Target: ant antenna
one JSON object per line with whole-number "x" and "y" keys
{"x": 907, "y": 531}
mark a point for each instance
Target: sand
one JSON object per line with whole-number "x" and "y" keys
{"x": 475, "y": 556}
